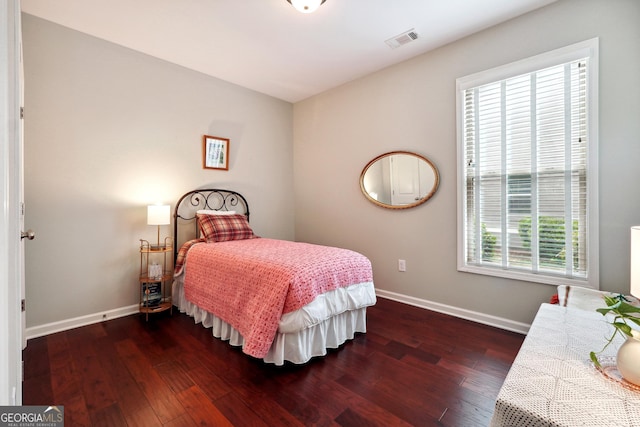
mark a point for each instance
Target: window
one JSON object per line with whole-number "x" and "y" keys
{"x": 527, "y": 174}
{"x": 519, "y": 193}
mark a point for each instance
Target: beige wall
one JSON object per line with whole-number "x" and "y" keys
{"x": 108, "y": 131}
{"x": 411, "y": 106}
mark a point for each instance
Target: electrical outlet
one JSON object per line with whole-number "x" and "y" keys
{"x": 402, "y": 265}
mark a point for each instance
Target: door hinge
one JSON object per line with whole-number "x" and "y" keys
{"x": 22, "y": 112}
{"x": 23, "y": 305}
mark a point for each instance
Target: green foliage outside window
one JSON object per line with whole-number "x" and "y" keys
{"x": 488, "y": 243}
{"x": 552, "y": 239}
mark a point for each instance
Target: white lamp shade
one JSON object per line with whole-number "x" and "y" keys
{"x": 306, "y": 6}
{"x": 635, "y": 261}
{"x": 158, "y": 215}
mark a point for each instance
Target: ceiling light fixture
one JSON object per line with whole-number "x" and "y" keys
{"x": 306, "y": 6}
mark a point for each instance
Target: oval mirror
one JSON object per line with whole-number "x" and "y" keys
{"x": 399, "y": 180}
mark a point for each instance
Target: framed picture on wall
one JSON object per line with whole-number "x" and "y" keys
{"x": 215, "y": 152}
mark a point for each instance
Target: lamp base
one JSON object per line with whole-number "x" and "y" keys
{"x": 629, "y": 358}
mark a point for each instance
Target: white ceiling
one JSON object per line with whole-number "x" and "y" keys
{"x": 268, "y": 46}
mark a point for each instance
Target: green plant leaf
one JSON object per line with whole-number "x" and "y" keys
{"x": 626, "y": 308}
{"x": 612, "y": 302}
{"x": 594, "y": 359}
{"x": 635, "y": 320}
{"x": 623, "y": 327}
{"x": 604, "y": 311}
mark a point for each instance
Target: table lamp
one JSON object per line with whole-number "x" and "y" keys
{"x": 158, "y": 215}
{"x": 628, "y": 357}
{"x": 635, "y": 261}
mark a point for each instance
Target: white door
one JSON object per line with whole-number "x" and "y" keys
{"x": 405, "y": 180}
{"x": 19, "y": 171}
{"x": 11, "y": 247}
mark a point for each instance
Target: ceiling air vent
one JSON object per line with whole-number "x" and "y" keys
{"x": 401, "y": 39}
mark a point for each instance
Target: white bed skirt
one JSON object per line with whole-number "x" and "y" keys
{"x": 296, "y": 347}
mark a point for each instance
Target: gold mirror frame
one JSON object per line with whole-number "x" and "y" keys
{"x": 378, "y": 163}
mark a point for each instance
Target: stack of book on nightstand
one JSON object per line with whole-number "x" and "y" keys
{"x": 152, "y": 294}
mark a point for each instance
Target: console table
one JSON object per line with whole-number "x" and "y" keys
{"x": 552, "y": 381}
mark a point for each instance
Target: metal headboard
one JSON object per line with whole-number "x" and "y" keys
{"x": 215, "y": 199}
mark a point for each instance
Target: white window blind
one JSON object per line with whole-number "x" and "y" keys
{"x": 524, "y": 180}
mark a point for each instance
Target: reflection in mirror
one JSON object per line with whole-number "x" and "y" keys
{"x": 399, "y": 180}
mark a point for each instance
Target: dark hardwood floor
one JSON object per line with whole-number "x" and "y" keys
{"x": 412, "y": 367}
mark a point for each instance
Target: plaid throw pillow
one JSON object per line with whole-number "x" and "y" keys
{"x": 221, "y": 228}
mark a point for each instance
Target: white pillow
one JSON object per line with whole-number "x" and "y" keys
{"x": 210, "y": 212}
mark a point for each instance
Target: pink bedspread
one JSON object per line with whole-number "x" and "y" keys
{"x": 251, "y": 283}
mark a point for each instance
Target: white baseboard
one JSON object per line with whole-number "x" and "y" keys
{"x": 498, "y": 322}
{"x": 76, "y": 322}
{"x": 486, "y": 319}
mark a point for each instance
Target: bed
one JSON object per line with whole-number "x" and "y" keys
{"x": 280, "y": 301}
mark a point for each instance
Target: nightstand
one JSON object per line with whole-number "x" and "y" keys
{"x": 155, "y": 277}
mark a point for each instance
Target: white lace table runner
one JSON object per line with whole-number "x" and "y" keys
{"x": 552, "y": 382}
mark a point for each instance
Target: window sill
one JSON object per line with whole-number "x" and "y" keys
{"x": 542, "y": 278}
